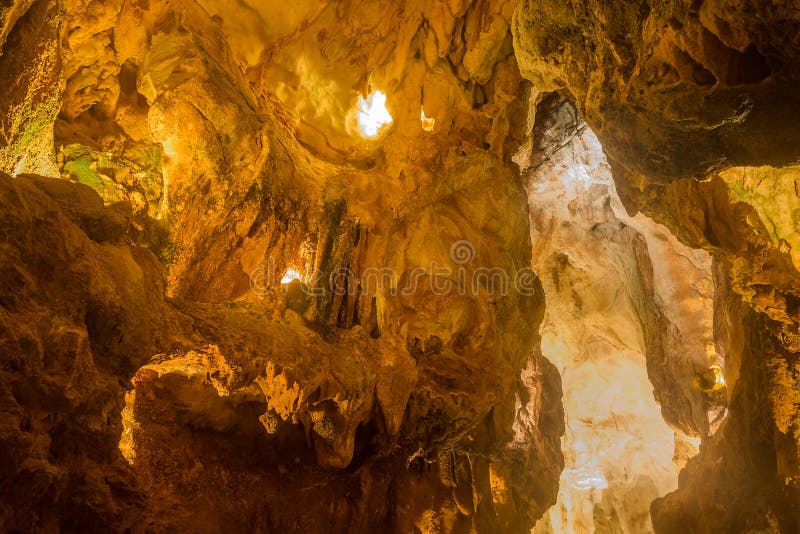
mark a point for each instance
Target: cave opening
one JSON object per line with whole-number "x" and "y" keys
{"x": 623, "y": 297}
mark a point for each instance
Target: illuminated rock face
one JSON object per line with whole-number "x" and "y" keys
{"x": 235, "y": 320}
{"x": 610, "y": 281}
{"x": 209, "y": 213}
{"x": 677, "y": 93}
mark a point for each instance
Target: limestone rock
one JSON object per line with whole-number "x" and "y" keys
{"x": 225, "y": 156}
{"x": 691, "y": 102}
{"x": 274, "y": 267}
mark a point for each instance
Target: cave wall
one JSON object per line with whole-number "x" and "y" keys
{"x": 628, "y": 323}
{"x": 691, "y": 101}
{"x": 164, "y": 164}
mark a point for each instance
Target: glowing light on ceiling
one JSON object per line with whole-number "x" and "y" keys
{"x": 290, "y": 276}
{"x": 373, "y": 117}
{"x": 428, "y": 123}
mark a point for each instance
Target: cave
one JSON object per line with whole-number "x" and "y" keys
{"x": 425, "y": 267}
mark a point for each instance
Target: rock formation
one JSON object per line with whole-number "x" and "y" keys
{"x": 624, "y": 300}
{"x": 694, "y": 104}
{"x": 273, "y": 267}
{"x": 158, "y": 376}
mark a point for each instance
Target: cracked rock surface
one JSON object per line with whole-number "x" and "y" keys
{"x": 239, "y": 295}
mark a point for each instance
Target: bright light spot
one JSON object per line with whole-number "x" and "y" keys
{"x": 584, "y": 478}
{"x": 693, "y": 441}
{"x": 428, "y": 123}
{"x": 20, "y": 166}
{"x": 719, "y": 378}
{"x": 715, "y": 419}
{"x": 127, "y": 445}
{"x": 715, "y": 367}
{"x": 372, "y": 114}
{"x": 289, "y": 276}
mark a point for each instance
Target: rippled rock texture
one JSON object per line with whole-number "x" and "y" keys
{"x": 209, "y": 226}
{"x": 597, "y": 277}
{"x": 166, "y": 165}
{"x": 628, "y": 323}
{"x": 695, "y": 105}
